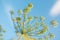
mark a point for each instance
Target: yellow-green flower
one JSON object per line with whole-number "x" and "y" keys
{"x": 36, "y": 23}
{"x": 14, "y": 19}
{"x": 42, "y": 24}
{"x": 20, "y": 11}
{"x": 42, "y": 18}
{"x": 30, "y": 5}
{"x": 46, "y": 27}
{"x": 46, "y": 37}
{"x": 17, "y": 19}
{"x": 26, "y": 10}
{"x": 30, "y": 18}
{"x": 25, "y": 15}
{"x": 24, "y": 31}
{"x": 52, "y": 35}
{"x": 54, "y": 23}
{"x": 42, "y": 31}
{"x": 29, "y": 29}
{"x": 26, "y": 21}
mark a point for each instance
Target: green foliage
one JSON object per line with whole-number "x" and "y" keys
{"x": 30, "y": 25}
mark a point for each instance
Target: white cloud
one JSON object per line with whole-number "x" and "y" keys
{"x": 55, "y": 10}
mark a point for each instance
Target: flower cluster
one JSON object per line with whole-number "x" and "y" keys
{"x": 28, "y": 26}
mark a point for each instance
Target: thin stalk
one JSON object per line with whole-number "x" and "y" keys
{"x": 13, "y": 22}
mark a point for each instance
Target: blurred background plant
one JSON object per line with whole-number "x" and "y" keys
{"x": 1, "y": 33}
{"x": 27, "y": 26}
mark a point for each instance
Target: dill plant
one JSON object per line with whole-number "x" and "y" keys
{"x": 28, "y": 26}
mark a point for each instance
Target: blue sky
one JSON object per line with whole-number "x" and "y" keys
{"x": 48, "y": 8}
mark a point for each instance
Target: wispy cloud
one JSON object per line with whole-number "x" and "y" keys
{"x": 55, "y": 10}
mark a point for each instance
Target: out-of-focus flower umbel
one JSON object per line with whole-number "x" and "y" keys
{"x": 36, "y": 23}
{"x": 30, "y": 18}
{"x": 43, "y": 31}
{"x": 17, "y": 19}
{"x": 54, "y": 23}
{"x": 52, "y": 35}
{"x": 12, "y": 12}
{"x": 26, "y": 10}
{"x": 27, "y": 30}
{"x": 42, "y": 24}
{"x": 42, "y": 18}
{"x": 30, "y": 5}
{"x": 46, "y": 37}
{"x": 25, "y": 15}
{"x": 46, "y": 27}
{"x": 20, "y": 11}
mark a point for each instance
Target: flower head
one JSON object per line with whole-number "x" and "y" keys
{"x": 46, "y": 37}
{"x": 54, "y": 23}
{"x": 30, "y": 18}
{"x": 30, "y": 5}
{"x": 26, "y": 10}
{"x": 16, "y": 19}
{"x": 12, "y": 12}
{"x": 20, "y": 11}
{"x": 52, "y": 35}
{"x": 42, "y": 18}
